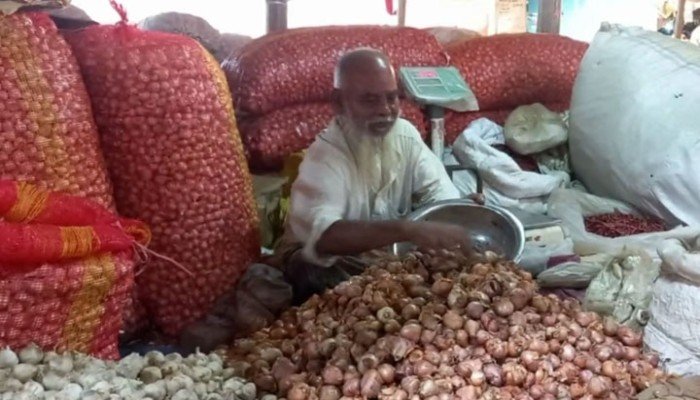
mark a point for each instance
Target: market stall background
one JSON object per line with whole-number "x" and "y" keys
{"x": 364, "y": 333}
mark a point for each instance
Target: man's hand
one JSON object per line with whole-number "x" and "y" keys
{"x": 477, "y": 198}
{"x": 438, "y": 236}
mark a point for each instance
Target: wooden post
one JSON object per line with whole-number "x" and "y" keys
{"x": 680, "y": 20}
{"x": 549, "y": 16}
{"x": 402, "y": 12}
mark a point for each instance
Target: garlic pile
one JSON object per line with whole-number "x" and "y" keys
{"x": 440, "y": 327}
{"x": 34, "y": 375}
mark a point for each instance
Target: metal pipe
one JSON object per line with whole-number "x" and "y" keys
{"x": 402, "y": 12}
{"x": 276, "y": 15}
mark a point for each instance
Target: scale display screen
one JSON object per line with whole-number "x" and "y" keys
{"x": 439, "y": 86}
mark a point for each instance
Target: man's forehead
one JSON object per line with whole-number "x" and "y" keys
{"x": 378, "y": 81}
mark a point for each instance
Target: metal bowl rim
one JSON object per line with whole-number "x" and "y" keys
{"x": 519, "y": 229}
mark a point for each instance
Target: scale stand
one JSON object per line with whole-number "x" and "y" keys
{"x": 440, "y": 88}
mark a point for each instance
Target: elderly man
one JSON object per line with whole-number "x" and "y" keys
{"x": 365, "y": 172}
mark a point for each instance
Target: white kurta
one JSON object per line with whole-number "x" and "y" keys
{"x": 330, "y": 186}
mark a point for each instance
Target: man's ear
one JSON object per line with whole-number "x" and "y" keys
{"x": 337, "y": 101}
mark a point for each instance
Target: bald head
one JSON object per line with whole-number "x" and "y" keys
{"x": 364, "y": 61}
{"x": 365, "y": 90}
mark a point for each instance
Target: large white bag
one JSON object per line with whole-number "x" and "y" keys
{"x": 674, "y": 329}
{"x": 635, "y": 122}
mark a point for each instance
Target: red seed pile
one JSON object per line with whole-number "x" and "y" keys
{"x": 272, "y": 137}
{"x": 618, "y": 224}
{"x": 172, "y": 146}
{"x": 442, "y": 327}
{"x": 296, "y": 66}
{"x": 47, "y": 133}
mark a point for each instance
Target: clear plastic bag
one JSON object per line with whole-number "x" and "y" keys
{"x": 533, "y": 129}
{"x": 623, "y": 289}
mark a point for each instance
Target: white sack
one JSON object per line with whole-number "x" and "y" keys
{"x": 674, "y": 329}
{"x": 635, "y": 122}
{"x": 500, "y": 172}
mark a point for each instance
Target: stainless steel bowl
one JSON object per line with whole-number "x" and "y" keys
{"x": 490, "y": 228}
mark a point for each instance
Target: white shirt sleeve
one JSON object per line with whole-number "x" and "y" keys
{"x": 318, "y": 200}
{"x": 431, "y": 182}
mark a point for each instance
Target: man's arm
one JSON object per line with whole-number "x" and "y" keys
{"x": 356, "y": 237}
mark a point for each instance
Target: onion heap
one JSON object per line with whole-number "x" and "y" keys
{"x": 439, "y": 326}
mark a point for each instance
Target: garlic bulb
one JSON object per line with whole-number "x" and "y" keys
{"x": 24, "y": 372}
{"x": 130, "y": 366}
{"x": 150, "y": 374}
{"x": 73, "y": 376}
{"x": 8, "y": 358}
{"x": 31, "y": 354}
{"x": 184, "y": 394}
{"x": 53, "y": 381}
{"x": 156, "y": 390}
{"x": 72, "y": 391}
{"x": 155, "y": 358}
{"x": 61, "y": 365}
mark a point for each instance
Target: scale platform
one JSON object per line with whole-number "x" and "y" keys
{"x": 540, "y": 229}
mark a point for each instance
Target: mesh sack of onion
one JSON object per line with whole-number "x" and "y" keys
{"x": 66, "y": 270}
{"x": 47, "y": 133}
{"x": 296, "y": 66}
{"x": 173, "y": 150}
{"x": 507, "y": 71}
{"x": 441, "y": 327}
{"x": 270, "y": 138}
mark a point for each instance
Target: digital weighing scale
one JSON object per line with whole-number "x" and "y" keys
{"x": 440, "y": 88}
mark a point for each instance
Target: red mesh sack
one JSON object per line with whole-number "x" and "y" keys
{"x": 172, "y": 147}
{"x": 456, "y": 123}
{"x": 272, "y": 137}
{"x": 507, "y": 71}
{"x": 70, "y": 305}
{"x": 296, "y": 66}
{"x": 63, "y": 286}
{"x": 47, "y": 133}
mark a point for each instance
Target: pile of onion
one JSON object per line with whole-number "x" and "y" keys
{"x": 441, "y": 327}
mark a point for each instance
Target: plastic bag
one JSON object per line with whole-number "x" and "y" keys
{"x": 184, "y": 24}
{"x": 571, "y": 206}
{"x": 575, "y": 275}
{"x": 674, "y": 327}
{"x": 535, "y": 256}
{"x": 623, "y": 288}
{"x": 533, "y": 129}
{"x": 268, "y": 194}
{"x": 8, "y": 7}
{"x": 259, "y": 297}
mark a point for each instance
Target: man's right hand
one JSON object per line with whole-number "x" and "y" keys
{"x": 438, "y": 236}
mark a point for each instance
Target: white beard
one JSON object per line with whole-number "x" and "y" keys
{"x": 376, "y": 157}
